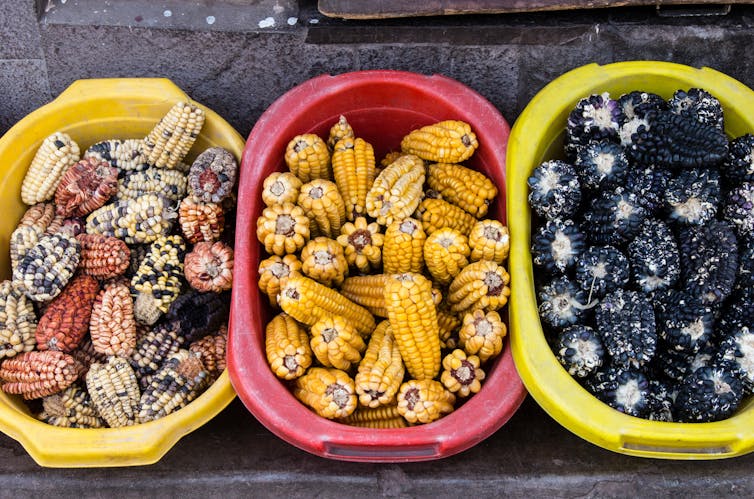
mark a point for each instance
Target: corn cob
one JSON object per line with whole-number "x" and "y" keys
{"x": 18, "y": 322}
{"x": 211, "y": 351}
{"x": 362, "y": 243}
{"x": 157, "y": 283}
{"x": 403, "y": 249}
{"x": 171, "y": 184}
{"x": 323, "y": 204}
{"x": 86, "y": 355}
{"x": 424, "y": 401}
{"x": 103, "y": 257}
{"x": 112, "y": 325}
{"x": 464, "y": 187}
{"x": 353, "y": 167}
{"x": 47, "y": 267}
{"x": 340, "y": 130}
{"x": 385, "y": 416}
{"x": 307, "y": 301}
{"x": 482, "y": 334}
{"x": 56, "y": 225}
{"x": 449, "y": 141}
{"x": 336, "y": 343}
{"x": 390, "y": 158}
{"x": 57, "y": 153}
{"x": 135, "y": 221}
{"x": 66, "y": 319}
{"x": 273, "y": 271}
{"x": 448, "y": 324}
{"x": 114, "y": 391}
{"x": 308, "y": 158}
{"x": 170, "y": 140}
{"x": 138, "y": 253}
{"x": 38, "y": 216}
{"x": 127, "y": 155}
{"x": 461, "y": 375}
{"x": 283, "y": 229}
{"x": 38, "y": 374}
{"x": 436, "y": 214}
{"x": 73, "y": 226}
{"x": 32, "y": 225}
{"x": 329, "y": 392}
{"x": 209, "y": 267}
{"x": 212, "y": 175}
{"x": 200, "y": 221}
{"x": 287, "y": 347}
{"x": 71, "y": 408}
{"x": 178, "y": 381}
{"x": 281, "y": 187}
{"x": 482, "y": 285}
{"x": 323, "y": 260}
{"x": 381, "y": 371}
{"x": 84, "y": 187}
{"x": 446, "y": 252}
{"x": 152, "y": 349}
{"x": 413, "y": 318}
{"x": 489, "y": 240}
{"x": 198, "y": 314}
{"x": 367, "y": 291}
{"x": 397, "y": 191}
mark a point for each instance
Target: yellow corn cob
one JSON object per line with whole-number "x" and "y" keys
{"x": 169, "y": 183}
{"x": 280, "y": 187}
{"x": 424, "y": 401}
{"x": 362, "y": 243}
{"x": 308, "y": 158}
{"x": 403, "y": 250}
{"x": 396, "y": 193}
{"x": 367, "y": 291}
{"x": 446, "y": 252}
{"x": 170, "y": 140}
{"x": 381, "y": 371}
{"x": 448, "y": 324}
{"x": 482, "y": 334}
{"x": 464, "y": 187}
{"x": 482, "y": 285}
{"x": 135, "y": 221}
{"x": 413, "y": 318}
{"x": 273, "y": 271}
{"x": 339, "y": 130}
{"x": 57, "y": 153}
{"x": 378, "y": 417}
{"x": 354, "y": 170}
{"x": 336, "y": 343}
{"x": 489, "y": 240}
{"x": 449, "y": 141}
{"x": 323, "y": 260}
{"x": 323, "y": 204}
{"x": 287, "y": 347}
{"x": 461, "y": 375}
{"x": 307, "y": 301}
{"x": 283, "y": 228}
{"x": 436, "y": 214}
{"x": 329, "y": 392}
{"x": 71, "y": 408}
{"x": 390, "y": 157}
{"x": 114, "y": 391}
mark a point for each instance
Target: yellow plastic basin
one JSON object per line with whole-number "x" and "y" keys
{"x": 90, "y": 111}
{"x": 538, "y": 135}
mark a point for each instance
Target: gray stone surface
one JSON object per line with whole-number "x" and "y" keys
{"x": 19, "y": 36}
{"x": 23, "y": 87}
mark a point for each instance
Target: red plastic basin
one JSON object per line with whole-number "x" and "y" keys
{"x": 382, "y": 106}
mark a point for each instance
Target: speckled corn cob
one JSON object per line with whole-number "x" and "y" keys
{"x": 386, "y": 416}
{"x": 57, "y": 153}
{"x": 273, "y": 271}
{"x": 179, "y": 381}
{"x": 397, "y": 191}
{"x": 84, "y": 187}
{"x": 362, "y": 243}
{"x": 353, "y": 167}
{"x": 446, "y": 252}
{"x": 209, "y": 267}
{"x": 281, "y": 187}
{"x": 170, "y": 184}
{"x": 38, "y": 374}
{"x": 32, "y": 225}
{"x": 114, "y": 391}
{"x": 323, "y": 204}
{"x": 403, "y": 250}
{"x": 480, "y": 285}
{"x": 464, "y": 187}
{"x": 449, "y": 141}
{"x": 112, "y": 325}
{"x": 287, "y": 347}
{"x": 212, "y": 175}
{"x": 381, "y": 371}
{"x": 323, "y": 260}
{"x": 199, "y": 314}
{"x": 436, "y": 214}
{"x": 329, "y": 392}
{"x": 211, "y": 351}
{"x": 200, "y": 221}
{"x": 45, "y": 270}
{"x": 307, "y": 301}
{"x": 283, "y": 229}
{"x": 152, "y": 349}
{"x": 71, "y": 408}
{"x": 135, "y": 221}
{"x": 138, "y": 253}
{"x": 339, "y": 130}
{"x": 157, "y": 283}
{"x": 461, "y": 375}
{"x": 336, "y": 343}
{"x": 413, "y": 318}
{"x": 126, "y": 155}
{"x": 18, "y": 322}
{"x": 424, "y": 401}
{"x": 103, "y": 257}
{"x": 308, "y": 158}
{"x": 489, "y": 240}
{"x": 66, "y": 319}
{"x": 482, "y": 334}
{"x": 170, "y": 140}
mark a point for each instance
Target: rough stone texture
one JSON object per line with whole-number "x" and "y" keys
{"x": 23, "y": 87}
{"x": 19, "y": 36}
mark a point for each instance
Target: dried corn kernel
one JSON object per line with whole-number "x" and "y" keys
{"x": 84, "y": 187}
{"x": 448, "y": 324}
{"x": 397, "y": 191}
{"x": 390, "y": 157}
{"x": 45, "y": 270}
{"x": 461, "y": 375}
{"x": 403, "y": 249}
{"x": 135, "y": 221}
{"x": 482, "y": 334}
{"x": 18, "y": 322}
{"x": 281, "y": 187}
{"x": 200, "y": 221}
{"x": 112, "y": 325}
{"x": 157, "y": 283}
{"x": 212, "y": 175}
{"x": 126, "y": 155}
{"x": 170, "y": 140}
{"x": 66, "y": 319}
{"x": 489, "y": 240}
{"x": 381, "y": 371}
{"x": 283, "y": 229}
{"x": 436, "y": 214}
{"x": 385, "y": 416}
{"x": 32, "y": 225}
{"x": 211, "y": 351}
{"x": 323, "y": 204}
{"x": 170, "y": 184}
{"x": 367, "y": 291}
{"x": 273, "y": 271}
{"x": 287, "y": 347}
{"x": 446, "y": 252}
{"x": 103, "y": 257}
{"x": 57, "y": 153}
{"x": 340, "y": 130}
{"x": 424, "y": 401}
{"x": 209, "y": 267}
{"x": 362, "y": 243}
{"x": 450, "y": 141}
{"x": 114, "y": 391}
{"x": 308, "y": 158}
{"x": 482, "y": 285}
{"x": 329, "y": 392}
{"x": 152, "y": 349}
{"x": 336, "y": 343}
{"x": 71, "y": 408}
{"x": 38, "y": 374}
{"x": 323, "y": 260}
{"x": 353, "y": 167}
{"x": 464, "y": 187}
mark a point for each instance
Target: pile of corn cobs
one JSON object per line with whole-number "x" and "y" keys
{"x": 389, "y": 280}
{"x": 116, "y": 313}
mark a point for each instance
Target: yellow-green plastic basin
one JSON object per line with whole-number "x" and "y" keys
{"x": 538, "y": 135}
{"x": 90, "y": 111}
